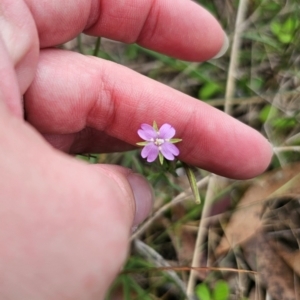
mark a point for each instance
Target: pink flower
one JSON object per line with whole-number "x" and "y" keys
{"x": 158, "y": 142}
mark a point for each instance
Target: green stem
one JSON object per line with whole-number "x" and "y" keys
{"x": 97, "y": 47}
{"x": 193, "y": 182}
{"x": 79, "y": 43}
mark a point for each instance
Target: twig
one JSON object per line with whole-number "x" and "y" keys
{"x": 235, "y": 101}
{"x": 287, "y": 148}
{"x": 187, "y": 268}
{"x": 182, "y": 196}
{"x": 230, "y": 85}
{"x": 201, "y": 234}
{"x": 252, "y": 100}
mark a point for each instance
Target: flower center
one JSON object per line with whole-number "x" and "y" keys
{"x": 158, "y": 141}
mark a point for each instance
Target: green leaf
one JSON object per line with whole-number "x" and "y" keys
{"x": 221, "y": 290}
{"x": 174, "y": 141}
{"x": 208, "y": 90}
{"x": 161, "y": 158}
{"x": 268, "y": 112}
{"x": 257, "y": 83}
{"x": 202, "y": 292}
{"x": 290, "y": 25}
{"x": 284, "y": 123}
{"x": 285, "y": 38}
{"x": 193, "y": 182}
{"x": 285, "y": 32}
{"x": 132, "y": 52}
{"x": 275, "y": 28}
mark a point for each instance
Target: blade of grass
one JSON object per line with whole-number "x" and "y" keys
{"x": 97, "y": 46}
{"x": 79, "y": 43}
{"x": 193, "y": 183}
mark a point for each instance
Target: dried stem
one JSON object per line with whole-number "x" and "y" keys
{"x": 201, "y": 234}
{"x": 230, "y": 90}
{"x": 230, "y": 85}
{"x": 286, "y": 149}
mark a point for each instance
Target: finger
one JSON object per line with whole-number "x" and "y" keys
{"x": 67, "y": 97}
{"x": 181, "y": 29}
{"x": 55, "y": 227}
{"x": 20, "y": 39}
{"x": 9, "y": 90}
{"x": 88, "y": 140}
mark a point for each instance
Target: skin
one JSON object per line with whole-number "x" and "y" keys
{"x": 56, "y": 212}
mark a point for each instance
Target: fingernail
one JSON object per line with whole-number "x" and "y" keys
{"x": 143, "y": 196}
{"x": 224, "y": 47}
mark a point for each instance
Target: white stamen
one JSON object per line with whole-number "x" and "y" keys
{"x": 159, "y": 142}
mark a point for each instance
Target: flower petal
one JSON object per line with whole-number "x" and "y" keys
{"x": 147, "y": 127}
{"x": 169, "y": 150}
{"x": 150, "y": 152}
{"x": 166, "y": 131}
{"x": 147, "y": 132}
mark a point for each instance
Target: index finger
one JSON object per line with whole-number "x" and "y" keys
{"x": 72, "y": 92}
{"x": 180, "y": 28}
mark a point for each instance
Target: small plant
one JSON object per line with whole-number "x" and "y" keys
{"x": 219, "y": 292}
{"x": 285, "y": 31}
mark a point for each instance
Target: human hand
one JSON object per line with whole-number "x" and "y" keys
{"x": 64, "y": 224}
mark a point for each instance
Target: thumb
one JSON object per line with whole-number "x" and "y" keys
{"x": 134, "y": 185}
{"x": 64, "y": 224}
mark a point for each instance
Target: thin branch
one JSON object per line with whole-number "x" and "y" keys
{"x": 286, "y": 149}
{"x": 235, "y": 101}
{"x": 201, "y": 234}
{"x": 251, "y": 100}
{"x": 187, "y": 268}
{"x": 230, "y": 85}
